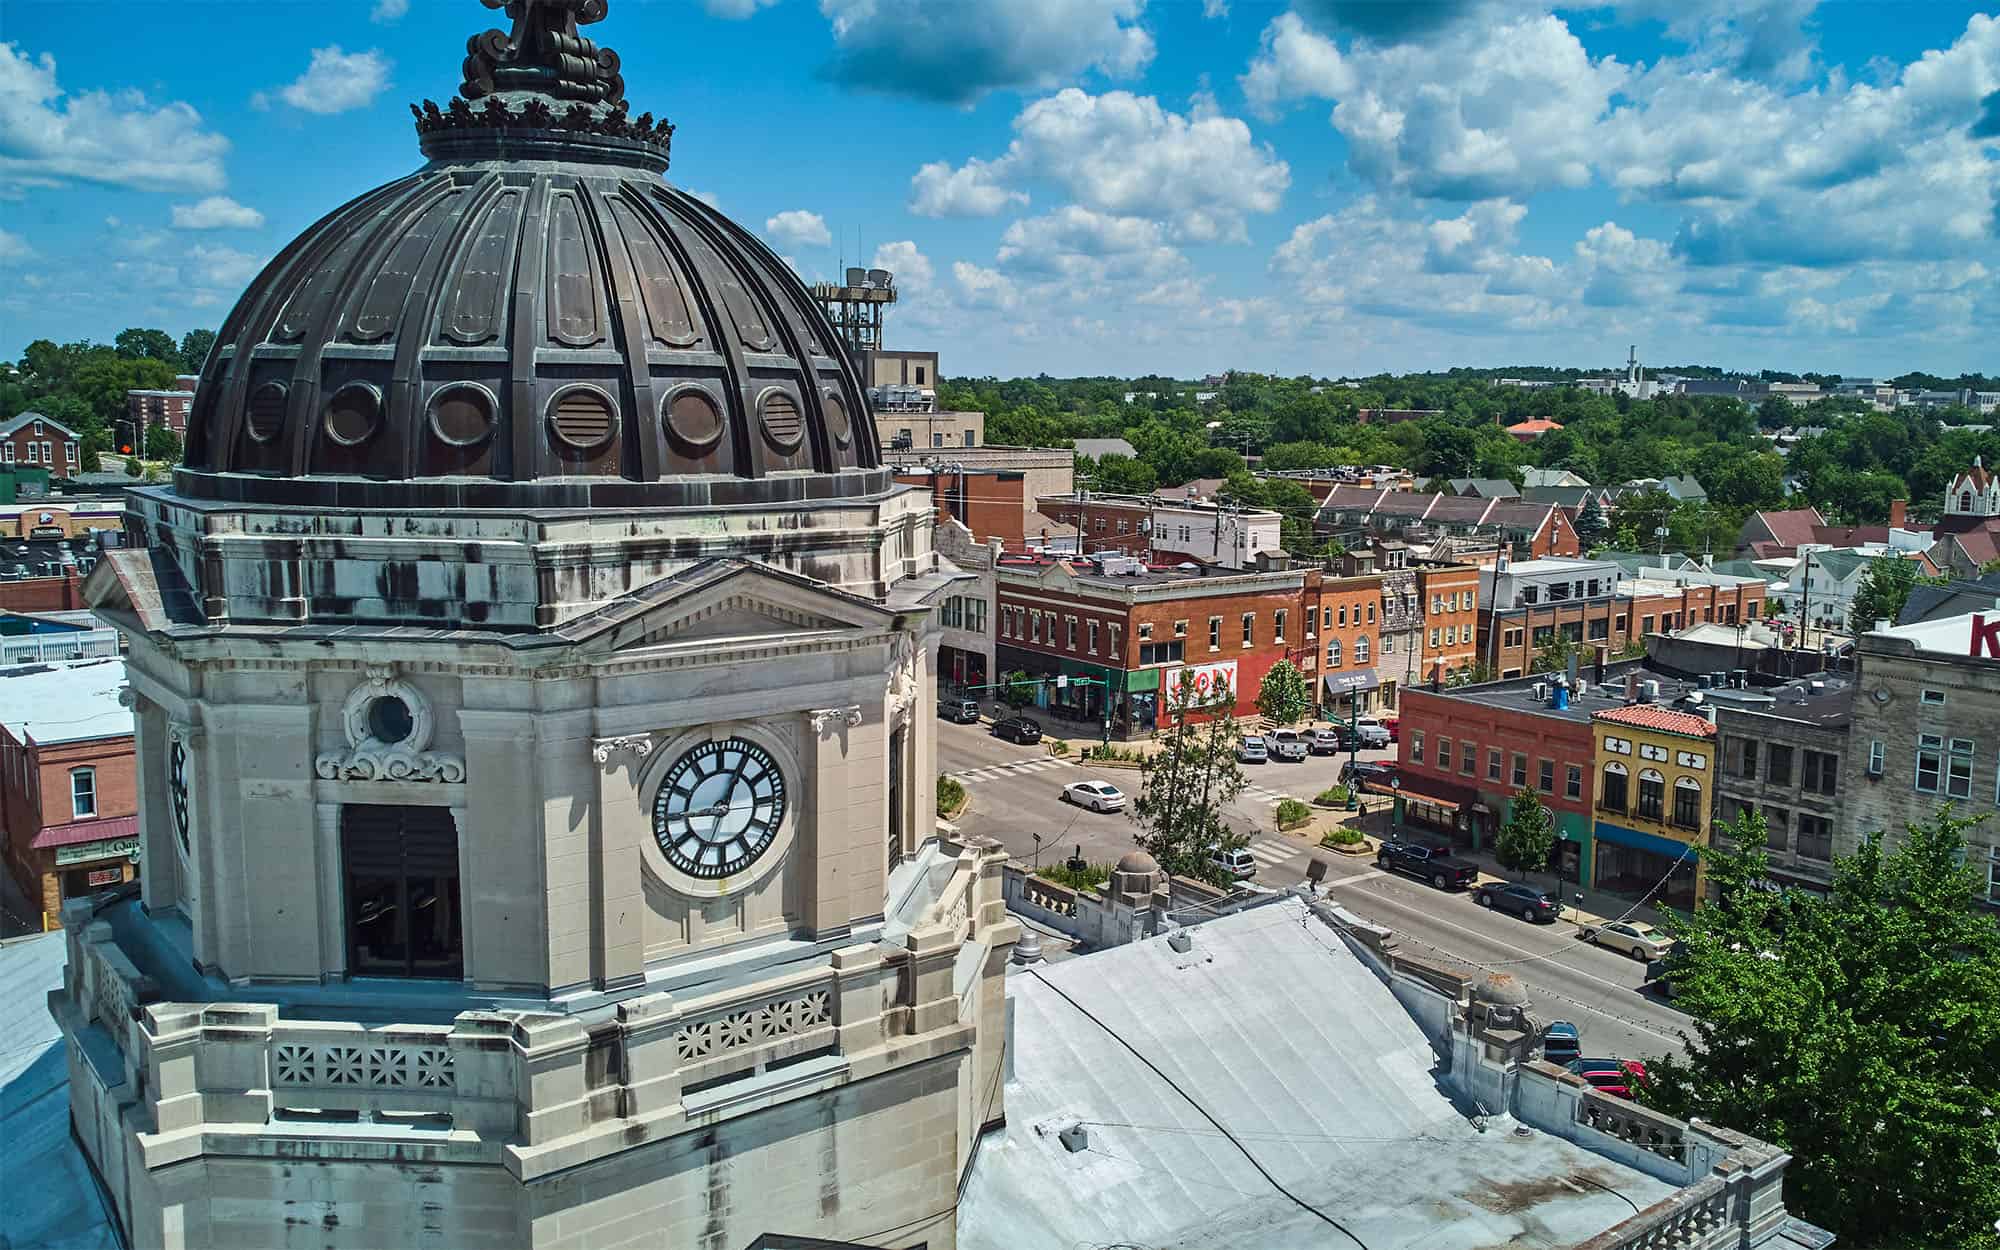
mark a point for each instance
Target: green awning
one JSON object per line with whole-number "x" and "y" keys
{"x": 1140, "y": 680}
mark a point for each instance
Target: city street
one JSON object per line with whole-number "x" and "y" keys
{"x": 1015, "y": 796}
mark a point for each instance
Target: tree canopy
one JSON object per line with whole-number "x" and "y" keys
{"x": 1860, "y": 1032}
{"x": 1885, "y": 587}
{"x": 1528, "y": 835}
{"x": 1284, "y": 695}
{"x": 1187, "y": 783}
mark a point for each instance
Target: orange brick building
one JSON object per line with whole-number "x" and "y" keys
{"x": 68, "y": 784}
{"x": 1450, "y": 634}
{"x": 994, "y": 504}
{"x": 1343, "y": 641}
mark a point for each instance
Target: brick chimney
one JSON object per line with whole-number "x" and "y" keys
{"x": 1898, "y": 513}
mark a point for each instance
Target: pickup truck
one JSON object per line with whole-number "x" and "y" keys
{"x": 1433, "y": 864}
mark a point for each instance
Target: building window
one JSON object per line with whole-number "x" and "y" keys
{"x": 1444, "y": 755}
{"x": 1775, "y": 836}
{"x": 1180, "y": 629}
{"x": 1746, "y": 758}
{"x": 1687, "y": 803}
{"x": 1343, "y": 616}
{"x": 1114, "y": 640}
{"x": 1468, "y": 758}
{"x": 1548, "y": 777}
{"x": 1249, "y": 629}
{"x": 1815, "y": 837}
{"x": 1573, "y": 784}
{"x": 1993, "y": 874}
{"x": 1520, "y": 770}
{"x": 1069, "y": 633}
{"x": 1326, "y": 618}
{"x": 1778, "y": 765}
{"x": 401, "y": 869}
{"x": 1215, "y": 633}
{"x": 1160, "y": 653}
{"x": 1822, "y": 772}
{"x": 1416, "y": 746}
{"x": 1611, "y": 795}
{"x": 1333, "y": 653}
{"x": 1930, "y": 762}
{"x": 1493, "y": 763}
{"x": 1652, "y": 795}
{"x": 1145, "y": 630}
{"x": 1093, "y": 637}
{"x": 1121, "y": 525}
{"x": 1875, "y": 758}
{"x": 1371, "y": 614}
{"x": 1361, "y": 649}
{"x": 920, "y": 375}
{"x": 937, "y": 439}
{"x": 1388, "y": 644}
{"x": 1958, "y": 770}
{"x": 1933, "y": 698}
{"x": 968, "y": 439}
{"x": 1434, "y": 640}
{"x": 1034, "y": 626}
{"x": 1510, "y": 637}
{"x": 82, "y": 792}
{"x": 1278, "y": 625}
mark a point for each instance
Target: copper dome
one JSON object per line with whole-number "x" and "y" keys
{"x": 533, "y": 317}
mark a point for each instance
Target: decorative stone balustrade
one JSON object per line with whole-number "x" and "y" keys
{"x": 1059, "y": 899}
{"x": 1696, "y": 1218}
{"x": 1628, "y": 1121}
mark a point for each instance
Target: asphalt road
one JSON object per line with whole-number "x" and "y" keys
{"x": 1015, "y": 798}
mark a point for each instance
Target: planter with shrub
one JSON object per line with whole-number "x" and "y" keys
{"x": 1292, "y": 813}
{"x": 951, "y": 798}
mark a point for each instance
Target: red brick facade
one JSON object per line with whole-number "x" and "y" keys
{"x": 43, "y": 594}
{"x": 32, "y": 439}
{"x": 991, "y": 505}
{"x": 1463, "y": 751}
{"x": 1449, "y": 596}
{"x": 1103, "y": 524}
{"x": 36, "y": 800}
{"x": 1508, "y": 639}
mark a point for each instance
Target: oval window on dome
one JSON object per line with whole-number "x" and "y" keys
{"x": 266, "y": 411}
{"x": 354, "y": 413}
{"x": 462, "y": 414}
{"x": 783, "y": 424}
{"x": 837, "y": 424}
{"x": 582, "y": 418}
{"x": 693, "y": 420}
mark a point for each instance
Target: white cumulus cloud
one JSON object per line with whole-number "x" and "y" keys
{"x": 14, "y": 249}
{"x": 796, "y": 227}
{"x": 913, "y": 269}
{"x": 48, "y": 137}
{"x": 735, "y": 10}
{"x": 224, "y": 267}
{"x": 335, "y": 81}
{"x": 956, "y": 51}
{"x": 217, "y": 212}
{"x": 971, "y": 190}
{"x": 388, "y": 10}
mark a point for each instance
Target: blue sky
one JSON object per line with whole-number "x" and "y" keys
{"x": 1083, "y": 186}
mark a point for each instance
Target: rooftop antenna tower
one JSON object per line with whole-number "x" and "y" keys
{"x": 855, "y": 305}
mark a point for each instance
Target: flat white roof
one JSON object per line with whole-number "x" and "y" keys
{"x": 72, "y": 702}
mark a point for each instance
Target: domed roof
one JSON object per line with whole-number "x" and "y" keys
{"x": 1137, "y": 861}
{"x": 1500, "y": 989}
{"x": 533, "y": 317}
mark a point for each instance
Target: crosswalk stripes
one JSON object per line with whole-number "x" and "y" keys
{"x": 1039, "y": 763}
{"x": 1269, "y": 796}
{"x": 1272, "y": 851}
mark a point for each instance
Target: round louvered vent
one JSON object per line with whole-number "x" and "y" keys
{"x": 582, "y": 418}
{"x": 837, "y": 424}
{"x": 353, "y": 413}
{"x": 782, "y": 423}
{"x": 266, "y": 415}
{"x": 693, "y": 421}
{"x": 463, "y": 414}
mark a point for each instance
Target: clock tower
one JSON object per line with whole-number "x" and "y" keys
{"x": 532, "y": 665}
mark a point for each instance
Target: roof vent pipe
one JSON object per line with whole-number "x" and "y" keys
{"x": 1181, "y": 941}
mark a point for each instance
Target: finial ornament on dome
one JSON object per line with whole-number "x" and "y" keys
{"x": 543, "y": 54}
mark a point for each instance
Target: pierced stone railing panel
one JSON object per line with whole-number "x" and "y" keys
{"x": 362, "y": 1066}
{"x": 1047, "y": 894}
{"x": 1649, "y": 1130}
{"x": 1696, "y": 1218}
{"x": 725, "y": 1032}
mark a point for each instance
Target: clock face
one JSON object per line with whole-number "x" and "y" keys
{"x": 719, "y": 808}
{"x": 177, "y": 787}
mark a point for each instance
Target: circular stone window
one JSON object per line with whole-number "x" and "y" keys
{"x": 837, "y": 424}
{"x": 354, "y": 413}
{"x": 783, "y": 425}
{"x": 266, "y": 414}
{"x": 582, "y": 419}
{"x": 389, "y": 720}
{"x": 694, "y": 422}
{"x": 462, "y": 414}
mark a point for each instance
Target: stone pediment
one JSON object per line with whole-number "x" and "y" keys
{"x": 725, "y": 602}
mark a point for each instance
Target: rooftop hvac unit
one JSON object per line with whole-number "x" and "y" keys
{"x": 881, "y": 278}
{"x": 1649, "y": 691}
{"x": 857, "y": 277}
{"x": 1540, "y": 690}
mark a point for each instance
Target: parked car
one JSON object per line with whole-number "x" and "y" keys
{"x": 1656, "y": 972}
{"x": 1525, "y": 901}
{"x": 1098, "y": 796}
{"x": 1240, "y": 864}
{"x": 1434, "y": 864}
{"x": 1602, "y": 1063}
{"x": 1252, "y": 750}
{"x": 1287, "y": 745}
{"x": 1323, "y": 741}
{"x": 1022, "y": 729}
{"x": 1633, "y": 937}
{"x": 959, "y": 711}
{"x": 1372, "y": 733}
{"x": 1394, "y": 725}
{"x": 1561, "y": 1042}
{"x": 1361, "y": 773}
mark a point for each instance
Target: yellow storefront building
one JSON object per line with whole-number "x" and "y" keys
{"x": 1655, "y": 789}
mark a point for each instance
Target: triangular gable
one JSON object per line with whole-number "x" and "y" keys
{"x": 724, "y": 600}
{"x": 141, "y": 589}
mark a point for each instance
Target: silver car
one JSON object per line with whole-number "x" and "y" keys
{"x": 1252, "y": 750}
{"x": 1323, "y": 741}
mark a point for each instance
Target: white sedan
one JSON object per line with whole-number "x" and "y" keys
{"x": 1098, "y": 796}
{"x": 1634, "y": 937}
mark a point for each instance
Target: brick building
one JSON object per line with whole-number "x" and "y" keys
{"x": 992, "y": 504}
{"x": 1343, "y": 642}
{"x": 32, "y": 438}
{"x": 1449, "y": 594}
{"x": 68, "y": 796}
{"x": 1104, "y": 522}
{"x": 1130, "y": 631}
{"x": 1782, "y": 755}
{"x": 1526, "y": 530}
{"x": 1655, "y": 783}
{"x": 144, "y": 409}
{"x": 1593, "y": 602}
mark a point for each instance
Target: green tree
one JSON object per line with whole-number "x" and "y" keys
{"x": 1186, "y": 785}
{"x": 136, "y": 344}
{"x": 1120, "y": 475}
{"x": 1528, "y": 836}
{"x": 195, "y": 345}
{"x": 1472, "y": 674}
{"x": 1591, "y": 527}
{"x": 163, "y": 444}
{"x": 1552, "y": 653}
{"x": 1019, "y": 690}
{"x": 1885, "y": 587}
{"x": 1860, "y": 1032}
{"x": 1284, "y": 695}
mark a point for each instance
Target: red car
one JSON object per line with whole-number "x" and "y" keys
{"x": 1614, "y": 1076}
{"x": 1392, "y": 723}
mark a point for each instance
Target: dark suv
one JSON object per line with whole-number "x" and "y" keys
{"x": 1432, "y": 863}
{"x": 1019, "y": 729}
{"x": 1363, "y": 773}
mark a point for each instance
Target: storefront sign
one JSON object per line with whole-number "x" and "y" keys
{"x": 46, "y": 531}
{"x": 1985, "y": 636}
{"x": 1213, "y": 683}
{"x": 85, "y": 851}
{"x": 106, "y": 876}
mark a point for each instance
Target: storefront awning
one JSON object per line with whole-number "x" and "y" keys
{"x": 1442, "y": 796}
{"x": 1138, "y": 680}
{"x": 81, "y": 831}
{"x": 1639, "y": 841}
{"x": 1353, "y": 681}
